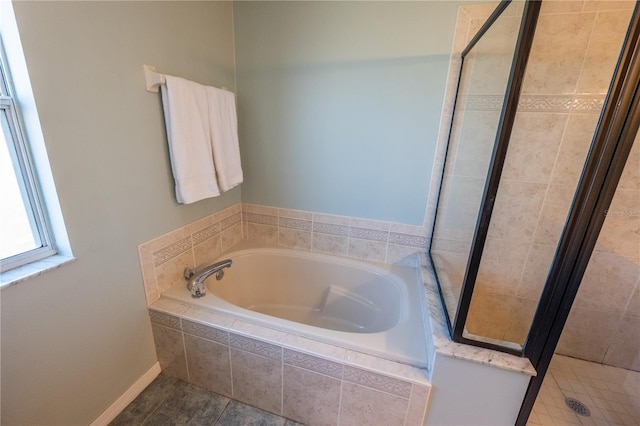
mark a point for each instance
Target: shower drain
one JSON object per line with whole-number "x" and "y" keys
{"x": 578, "y": 407}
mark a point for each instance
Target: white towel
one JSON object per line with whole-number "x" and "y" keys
{"x": 224, "y": 137}
{"x": 186, "y": 112}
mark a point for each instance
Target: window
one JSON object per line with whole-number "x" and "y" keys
{"x": 24, "y": 233}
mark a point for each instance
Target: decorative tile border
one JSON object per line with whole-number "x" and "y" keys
{"x": 591, "y": 103}
{"x": 165, "y": 254}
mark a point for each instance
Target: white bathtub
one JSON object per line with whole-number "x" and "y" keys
{"x": 371, "y": 308}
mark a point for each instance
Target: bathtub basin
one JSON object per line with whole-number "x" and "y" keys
{"x": 368, "y": 307}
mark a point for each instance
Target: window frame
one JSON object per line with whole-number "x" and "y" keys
{"x": 27, "y": 178}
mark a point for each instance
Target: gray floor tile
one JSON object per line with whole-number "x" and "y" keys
{"x": 147, "y": 402}
{"x": 189, "y": 405}
{"x": 241, "y": 414}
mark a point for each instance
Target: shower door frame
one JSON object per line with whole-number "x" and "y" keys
{"x": 615, "y": 134}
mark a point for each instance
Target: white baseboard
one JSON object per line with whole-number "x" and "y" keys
{"x": 127, "y": 397}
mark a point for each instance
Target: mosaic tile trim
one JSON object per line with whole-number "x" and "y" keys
{"x": 261, "y": 219}
{"x": 537, "y": 103}
{"x": 206, "y": 332}
{"x": 377, "y": 381}
{"x": 312, "y": 363}
{"x": 254, "y": 346}
{"x": 369, "y": 234}
{"x": 164, "y": 319}
{"x": 331, "y": 229}
{"x": 408, "y": 240}
{"x": 230, "y": 221}
{"x": 206, "y": 233}
{"x": 163, "y": 255}
{"x": 299, "y": 224}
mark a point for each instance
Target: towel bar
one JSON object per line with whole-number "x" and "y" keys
{"x": 154, "y": 79}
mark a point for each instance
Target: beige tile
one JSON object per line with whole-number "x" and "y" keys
{"x": 595, "y": 5}
{"x": 210, "y": 333}
{"x": 367, "y": 250}
{"x": 516, "y": 210}
{"x": 165, "y": 320}
{"x": 295, "y": 214}
{"x": 587, "y": 334}
{"x": 170, "y": 352}
{"x": 417, "y": 405}
{"x": 536, "y": 271}
{"x": 608, "y": 283}
{"x": 489, "y": 314}
{"x": 402, "y": 255}
{"x": 265, "y": 234}
{"x": 461, "y": 197}
{"x": 231, "y": 236}
{"x": 501, "y": 266}
{"x": 257, "y": 380}
{"x": 331, "y": 244}
{"x": 171, "y": 251}
{"x": 549, "y": 7}
{"x": 331, "y": 219}
{"x": 533, "y": 146}
{"x": 574, "y": 148}
{"x": 148, "y": 272}
{"x": 554, "y": 213}
{"x": 312, "y": 363}
{"x": 259, "y": 209}
{"x": 363, "y": 406}
{"x": 475, "y": 143}
{"x": 209, "y": 364}
{"x": 522, "y": 313}
{"x": 172, "y": 272}
{"x": 625, "y": 345}
{"x": 207, "y": 251}
{"x": 633, "y": 308}
{"x": 310, "y": 398}
{"x": 377, "y": 381}
{"x": 163, "y": 241}
{"x": 557, "y": 54}
{"x": 604, "y": 49}
{"x": 620, "y": 233}
{"x": 293, "y": 238}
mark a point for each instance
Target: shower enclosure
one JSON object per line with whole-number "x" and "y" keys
{"x": 544, "y": 121}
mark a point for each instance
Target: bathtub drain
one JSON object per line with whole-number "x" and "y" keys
{"x": 578, "y": 407}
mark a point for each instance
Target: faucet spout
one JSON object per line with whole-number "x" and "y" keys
{"x": 195, "y": 278}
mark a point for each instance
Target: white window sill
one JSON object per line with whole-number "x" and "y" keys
{"x": 33, "y": 269}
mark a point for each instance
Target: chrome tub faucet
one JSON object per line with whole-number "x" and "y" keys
{"x": 196, "y": 277}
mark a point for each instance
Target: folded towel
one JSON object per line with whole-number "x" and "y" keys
{"x": 186, "y": 112}
{"x": 224, "y": 137}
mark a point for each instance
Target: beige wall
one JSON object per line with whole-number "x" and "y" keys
{"x": 74, "y": 339}
{"x": 566, "y": 80}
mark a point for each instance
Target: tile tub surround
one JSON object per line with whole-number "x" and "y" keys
{"x": 295, "y": 377}
{"x": 163, "y": 259}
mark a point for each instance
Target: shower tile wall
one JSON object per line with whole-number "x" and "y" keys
{"x": 570, "y": 67}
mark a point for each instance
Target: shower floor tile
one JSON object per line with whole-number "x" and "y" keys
{"x": 169, "y": 401}
{"x": 610, "y": 394}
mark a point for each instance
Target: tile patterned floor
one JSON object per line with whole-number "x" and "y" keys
{"x": 167, "y": 401}
{"x": 611, "y": 394}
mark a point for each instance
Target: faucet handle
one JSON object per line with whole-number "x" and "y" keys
{"x": 189, "y": 273}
